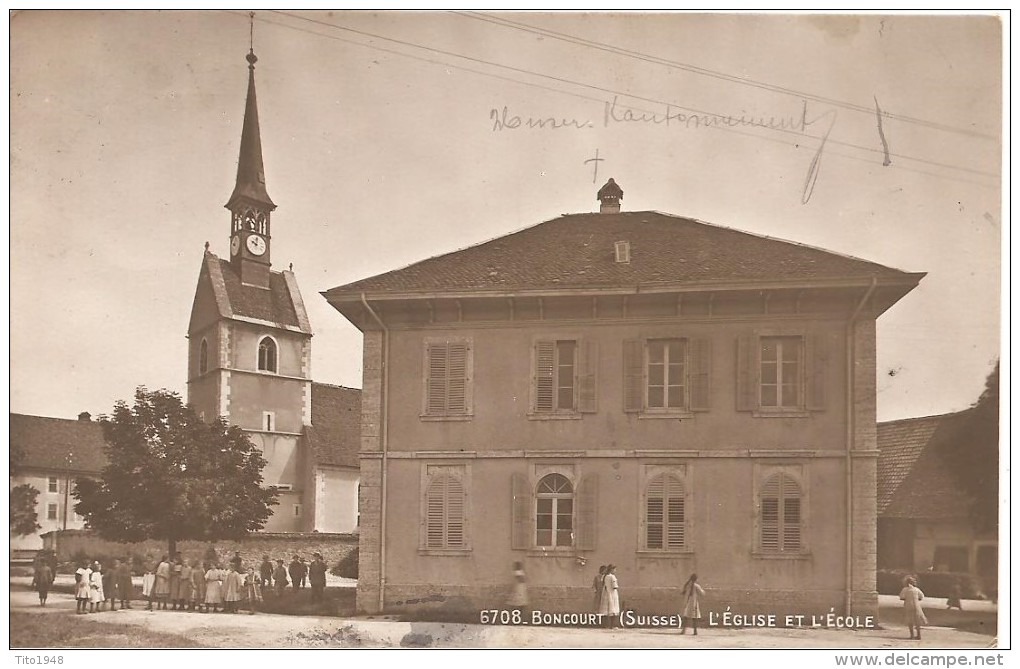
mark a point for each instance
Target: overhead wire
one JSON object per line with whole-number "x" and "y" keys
{"x": 723, "y": 76}
{"x": 604, "y": 90}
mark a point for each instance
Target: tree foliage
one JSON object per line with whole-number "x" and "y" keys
{"x": 979, "y": 470}
{"x": 23, "y": 514}
{"x": 172, "y": 476}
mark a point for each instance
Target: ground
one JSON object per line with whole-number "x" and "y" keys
{"x": 33, "y": 626}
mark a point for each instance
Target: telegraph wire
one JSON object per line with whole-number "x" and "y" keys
{"x": 610, "y": 91}
{"x": 723, "y": 76}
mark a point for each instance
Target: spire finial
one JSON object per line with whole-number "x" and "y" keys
{"x": 251, "y": 57}
{"x": 207, "y": 246}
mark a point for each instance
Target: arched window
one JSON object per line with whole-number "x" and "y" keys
{"x": 444, "y": 512}
{"x": 664, "y": 513}
{"x": 267, "y": 355}
{"x": 203, "y": 357}
{"x": 780, "y": 520}
{"x": 554, "y": 511}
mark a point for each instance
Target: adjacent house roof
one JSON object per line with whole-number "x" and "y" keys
{"x": 577, "y": 251}
{"x": 280, "y": 305}
{"x": 58, "y": 443}
{"x": 914, "y": 479}
{"x": 335, "y": 433}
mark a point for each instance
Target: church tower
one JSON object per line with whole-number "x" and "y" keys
{"x": 249, "y": 204}
{"x": 250, "y": 339}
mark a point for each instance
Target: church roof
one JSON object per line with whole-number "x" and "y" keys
{"x": 335, "y": 433}
{"x": 281, "y": 305}
{"x": 576, "y": 251}
{"x": 914, "y": 479}
{"x": 58, "y": 443}
{"x": 251, "y": 174}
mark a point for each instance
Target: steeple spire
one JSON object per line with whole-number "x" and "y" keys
{"x": 251, "y": 176}
{"x": 249, "y": 204}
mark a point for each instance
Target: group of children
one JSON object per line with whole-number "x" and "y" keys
{"x": 95, "y": 586}
{"x": 179, "y": 586}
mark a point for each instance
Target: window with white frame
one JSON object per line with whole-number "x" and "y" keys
{"x": 665, "y": 519}
{"x": 267, "y": 361}
{"x": 554, "y": 511}
{"x": 666, "y": 361}
{"x": 268, "y": 421}
{"x": 51, "y": 512}
{"x": 555, "y": 376}
{"x": 781, "y": 374}
{"x": 447, "y": 375}
{"x": 666, "y": 375}
{"x": 53, "y": 484}
{"x": 444, "y": 502}
{"x": 780, "y": 520}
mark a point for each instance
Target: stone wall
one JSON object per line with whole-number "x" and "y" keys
{"x": 72, "y": 543}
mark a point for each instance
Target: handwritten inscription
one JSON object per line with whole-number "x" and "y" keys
{"x": 613, "y": 113}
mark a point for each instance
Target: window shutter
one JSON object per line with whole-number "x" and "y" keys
{"x": 817, "y": 361}
{"x": 544, "y": 386}
{"x": 791, "y": 522}
{"x": 676, "y": 522}
{"x": 434, "y": 498}
{"x": 747, "y": 375}
{"x": 701, "y": 372}
{"x": 435, "y": 384}
{"x": 454, "y": 512}
{"x": 456, "y": 384}
{"x": 770, "y": 513}
{"x": 633, "y": 375}
{"x": 654, "y": 512}
{"x": 587, "y": 512}
{"x": 587, "y": 397}
{"x": 520, "y": 504}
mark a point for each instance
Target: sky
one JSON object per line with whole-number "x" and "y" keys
{"x": 390, "y": 137}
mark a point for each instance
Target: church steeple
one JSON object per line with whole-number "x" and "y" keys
{"x": 249, "y": 204}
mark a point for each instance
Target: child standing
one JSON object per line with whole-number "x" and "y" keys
{"x": 912, "y": 611}
{"x": 82, "y": 579}
{"x": 148, "y": 584}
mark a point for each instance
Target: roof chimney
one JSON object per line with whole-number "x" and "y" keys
{"x": 85, "y": 416}
{"x": 610, "y": 196}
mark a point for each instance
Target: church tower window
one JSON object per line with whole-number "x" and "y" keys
{"x": 267, "y": 355}
{"x": 203, "y": 357}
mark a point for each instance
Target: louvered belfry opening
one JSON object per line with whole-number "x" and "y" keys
{"x": 780, "y": 514}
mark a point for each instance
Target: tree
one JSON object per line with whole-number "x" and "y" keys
{"x": 23, "y": 515}
{"x": 979, "y": 470}
{"x": 172, "y": 476}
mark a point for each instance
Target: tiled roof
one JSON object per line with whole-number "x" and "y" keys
{"x": 46, "y": 443}
{"x": 577, "y": 251}
{"x": 914, "y": 478}
{"x": 335, "y": 432}
{"x": 274, "y": 305}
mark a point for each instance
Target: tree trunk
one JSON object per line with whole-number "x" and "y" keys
{"x": 172, "y": 548}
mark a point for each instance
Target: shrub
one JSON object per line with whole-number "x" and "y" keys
{"x": 347, "y": 567}
{"x": 932, "y": 583}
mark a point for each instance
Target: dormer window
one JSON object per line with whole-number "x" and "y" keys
{"x": 267, "y": 355}
{"x": 622, "y": 251}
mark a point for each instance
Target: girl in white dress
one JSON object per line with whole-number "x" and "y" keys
{"x": 82, "y": 581}
{"x": 610, "y": 605}
{"x": 96, "y": 596}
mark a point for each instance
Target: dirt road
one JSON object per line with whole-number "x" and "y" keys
{"x": 222, "y": 630}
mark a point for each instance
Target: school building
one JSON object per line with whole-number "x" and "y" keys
{"x": 634, "y": 388}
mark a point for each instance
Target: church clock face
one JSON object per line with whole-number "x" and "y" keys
{"x": 256, "y": 245}
{"x": 235, "y": 245}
